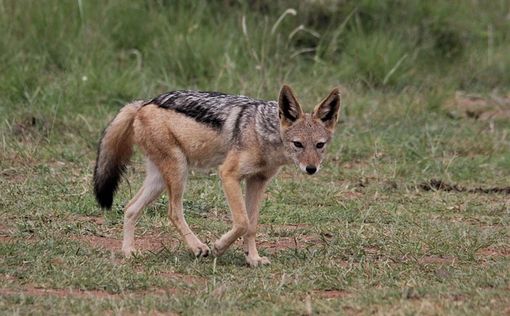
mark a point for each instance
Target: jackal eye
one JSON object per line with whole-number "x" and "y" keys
{"x": 298, "y": 144}
{"x": 320, "y": 145}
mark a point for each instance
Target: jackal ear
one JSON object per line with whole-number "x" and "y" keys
{"x": 328, "y": 110}
{"x": 289, "y": 109}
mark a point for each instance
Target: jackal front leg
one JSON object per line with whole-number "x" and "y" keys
{"x": 232, "y": 187}
{"x": 255, "y": 187}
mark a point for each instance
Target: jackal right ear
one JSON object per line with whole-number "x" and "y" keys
{"x": 289, "y": 109}
{"x": 328, "y": 110}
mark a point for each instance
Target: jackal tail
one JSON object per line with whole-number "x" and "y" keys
{"x": 114, "y": 152}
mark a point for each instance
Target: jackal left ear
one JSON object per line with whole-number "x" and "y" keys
{"x": 289, "y": 109}
{"x": 328, "y": 110}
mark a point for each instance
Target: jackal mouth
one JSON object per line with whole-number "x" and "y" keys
{"x": 309, "y": 169}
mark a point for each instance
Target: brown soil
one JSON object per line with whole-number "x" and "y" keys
{"x": 77, "y": 293}
{"x": 355, "y": 164}
{"x": 34, "y": 291}
{"x": 5, "y": 239}
{"x": 281, "y": 244}
{"x": 99, "y": 220}
{"x": 5, "y": 234}
{"x": 329, "y": 294}
{"x": 99, "y": 242}
{"x": 493, "y": 107}
{"x": 436, "y": 260}
{"x": 351, "y": 195}
{"x": 280, "y": 227}
{"x": 148, "y": 242}
{"x": 4, "y": 230}
{"x": 476, "y": 222}
{"x": 492, "y": 251}
{"x": 440, "y": 185}
{"x": 151, "y": 241}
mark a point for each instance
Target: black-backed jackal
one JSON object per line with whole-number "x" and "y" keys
{"x": 247, "y": 139}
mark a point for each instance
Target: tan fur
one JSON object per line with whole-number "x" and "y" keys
{"x": 173, "y": 143}
{"x": 158, "y": 130}
{"x": 118, "y": 140}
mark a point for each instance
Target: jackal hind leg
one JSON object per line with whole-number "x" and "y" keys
{"x": 175, "y": 172}
{"x": 152, "y": 187}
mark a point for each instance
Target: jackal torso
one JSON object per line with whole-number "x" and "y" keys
{"x": 206, "y": 126}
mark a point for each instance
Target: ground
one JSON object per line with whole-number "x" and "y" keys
{"x": 366, "y": 235}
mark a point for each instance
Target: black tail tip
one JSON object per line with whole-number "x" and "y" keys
{"x": 104, "y": 200}
{"x": 104, "y": 190}
{"x": 106, "y": 181}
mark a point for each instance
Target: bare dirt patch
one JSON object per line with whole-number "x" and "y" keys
{"x": 78, "y": 293}
{"x": 472, "y": 221}
{"x": 280, "y": 244}
{"x": 98, "y": 220}
{"x": 4, "y": 230}
{"x": 480, "y": 107}
{"x": 13, "y": 175}
{"x": 331, "y": 294}
{"x": 5, "y": 239}
{"x": 288, "y": 236}
{"x": 152, "y": 241}
{"x": 354, "y": 164}
{"x": 440, "y": 185}
{"x": 6, "y": 278}
{"x": 284, "y": 226}
{"x": 34, "y": 291}
{"x": 38, "y": 291}
{"x": 99, "y": 242}
{"x": 5, "y": 234}
{"x": 350, "y": 195}
{"x": 148, "y": 242}
{"x": 492, "y": 251}
{"x": 432, "y": 259}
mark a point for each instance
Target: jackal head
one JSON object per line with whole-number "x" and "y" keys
{"x": 306, "y": 135}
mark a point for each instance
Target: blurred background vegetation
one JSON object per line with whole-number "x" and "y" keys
{"x": 87, "y": 52}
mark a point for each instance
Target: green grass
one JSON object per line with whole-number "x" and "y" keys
{"x": 361, "y": 237}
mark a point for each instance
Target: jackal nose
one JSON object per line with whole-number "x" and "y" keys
{"x": 311, "y": 169}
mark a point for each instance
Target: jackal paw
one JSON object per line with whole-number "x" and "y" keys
{"x": 128, "y": 251}
{"x": 201, "y": 250}
{"x": 218, "y": 250}
{"x": 257, "y": 261}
